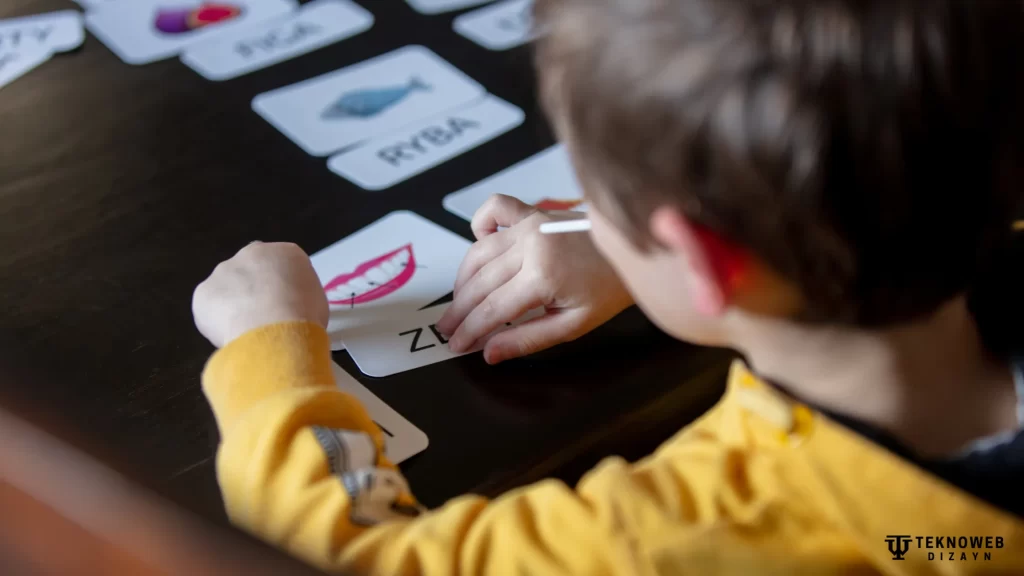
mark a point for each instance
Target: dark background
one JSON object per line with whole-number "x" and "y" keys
{"x": 121, "y": 187}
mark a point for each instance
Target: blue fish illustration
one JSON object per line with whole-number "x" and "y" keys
{"x": 368, "y": 103}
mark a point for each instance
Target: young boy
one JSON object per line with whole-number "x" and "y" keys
{"x": 818, "y": 185}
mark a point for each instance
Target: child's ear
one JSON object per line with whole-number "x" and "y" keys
{"x": 715, "y": 266}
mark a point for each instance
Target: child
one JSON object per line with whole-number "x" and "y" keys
{"x": 818, "y": 185}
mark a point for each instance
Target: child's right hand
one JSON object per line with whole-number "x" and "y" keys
{"x": 509, "y": 272}
{"x": 262, "y": 284}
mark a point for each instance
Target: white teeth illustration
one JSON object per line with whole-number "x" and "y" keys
{"x": 340, "y": 292}
{"x": 360, "y": 284}
{"x": 373, "y": 278}
{"x": 377, "y": 276}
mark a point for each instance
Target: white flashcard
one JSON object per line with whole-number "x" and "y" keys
{"x": 55, "y": 32}
{"x": 312, "y": 26}
{"x": 371, "y": 98}
{"x": 90, "y": 4}
{"x": 545, "y": 180}
{"x": 386, "y": 161}
{"x": 402, "y": 440}
{"x": 392, "y": 267}
{"x": 408, "y": 343}
{"x": 144, "y": 31}
{"x": 500, "y": 26}
{"x": 439, "y": 6}
{"x": 14, "y": 65}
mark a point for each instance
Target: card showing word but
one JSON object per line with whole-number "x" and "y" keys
{"x": 498, "y": 27}
{"x": 386, "y": 161}
{"x": 312, "y": 26}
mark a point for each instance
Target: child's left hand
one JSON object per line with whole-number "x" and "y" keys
{"x": 261, "y": 284}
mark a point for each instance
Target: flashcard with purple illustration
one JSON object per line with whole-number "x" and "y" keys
{"x": 144, "y": 31}
{"x": 314, "y": 25}
{"x": 392, "y": 267}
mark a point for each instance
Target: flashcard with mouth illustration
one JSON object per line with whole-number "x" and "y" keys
{"x": 313, "y": 25}
{"x": 377, "y": 96}
{"x": 545, "y": 180}
{"x": 409, "y": 342}
{"x": 390, "y": 268}
{"x": 439, "y": 6}
{"x": 500, "y": 26}
{"x": 402, "y": 440}
{"x": 144, "y": 31}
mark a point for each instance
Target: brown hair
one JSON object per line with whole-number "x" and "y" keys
{"x": 868, "y": 151}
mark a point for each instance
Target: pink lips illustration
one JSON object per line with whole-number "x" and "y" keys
{"x": 373, "y": 279}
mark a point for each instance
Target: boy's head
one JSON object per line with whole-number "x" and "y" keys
{"x": 841, "y": 161}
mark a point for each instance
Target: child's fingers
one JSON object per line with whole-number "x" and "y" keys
{"x": 538, "y": 334}
{"x": 479, "y": 254}
{"x": 510, "y": 301}
{"x": 487, "y": 279}
{"x": 499, "y": 211}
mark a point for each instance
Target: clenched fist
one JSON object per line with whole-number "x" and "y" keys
{"x": 261, "y": 284}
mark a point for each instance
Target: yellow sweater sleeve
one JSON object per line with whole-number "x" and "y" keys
{"x": 293, "y": 471}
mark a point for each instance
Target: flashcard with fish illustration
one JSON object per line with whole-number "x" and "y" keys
{"x": 390, "y": 159}
{"x": 409, "y": 342}
{"x": 392, "y": 267}
{"x": 500, "y": 26}
{"x": 375, "y": 97}
{"x": 545, "y": 180}
{"x": 439, "y": 6}
{"x": 54, "y": 32}
{"x": 402, "y": 439}
{"x": 144, "y": 31}
{"x": 313, "y": 25}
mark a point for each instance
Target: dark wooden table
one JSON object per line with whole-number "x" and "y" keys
{"x": 121, "y": 187}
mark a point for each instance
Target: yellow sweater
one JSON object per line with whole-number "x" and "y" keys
{"x": 759, "y": 485}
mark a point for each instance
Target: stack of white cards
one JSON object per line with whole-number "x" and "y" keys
{"x": 27, "y": 42}
{"x": 389, "y": 118}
